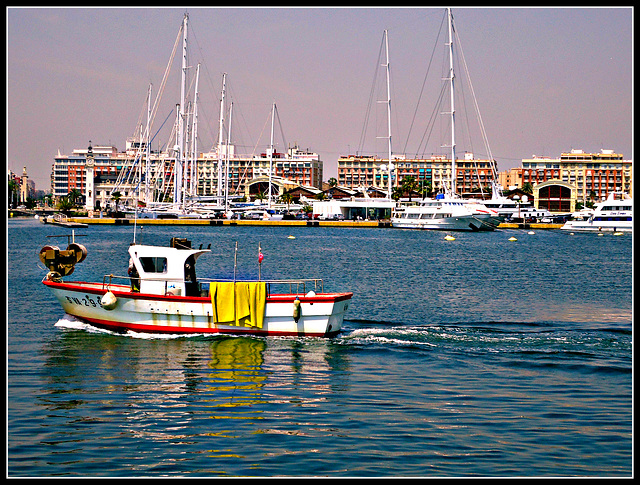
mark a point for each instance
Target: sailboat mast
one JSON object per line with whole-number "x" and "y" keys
{"x": 147, "y": 149}
{"x": 221, "y": 134}
{"x": 390, "y": 165}
{"x": 453, "y": 111}
{"x": 179, "y": 175}
{"x": 194, "y": 140}
{"x": 226, "y": 175}
{"x": 273, "y": 113}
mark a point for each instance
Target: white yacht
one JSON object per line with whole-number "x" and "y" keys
{"x": 512, "y": 209}
{"x": 445, "y": 214}
{"x": 614, "y": 214}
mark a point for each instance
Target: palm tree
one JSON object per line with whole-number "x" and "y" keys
{"x": 261, "y": 196}
{"x": 409, "y": 184}
{"x": 74, "y": 195}
{"x": 333, "y": 182}
{"x": 287, "y": 198}
{"x": 527, "y": 188}
{"x": 116, "y": 196}
{"x": 65, "y": 204}
{"x": 425, "y": 189}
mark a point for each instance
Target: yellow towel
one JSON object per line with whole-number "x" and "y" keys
{"x": 239, "y": 304}
{"x": 223, "y": 302}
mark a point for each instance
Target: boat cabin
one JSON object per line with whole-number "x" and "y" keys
{"x": 165, "y": 270}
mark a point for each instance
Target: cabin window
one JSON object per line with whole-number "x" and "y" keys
{"x": 154, "y": 264}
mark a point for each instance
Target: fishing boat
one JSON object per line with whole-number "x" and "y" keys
{"x": 614, "y": 214}
{"x": 161, "y": 294}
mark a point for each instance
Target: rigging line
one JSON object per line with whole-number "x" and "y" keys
{"x": 370, "y": 103}
{"x": 432, "y": 121}
{"x": 163, "y": 83}
{"x": 242, "y": 177}
{"x": 284, "y": 141}
{"x": 424, "y": 81}
{"x": 477, "y": 110}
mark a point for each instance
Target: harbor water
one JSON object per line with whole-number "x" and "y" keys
{"x": 475, "y": 357}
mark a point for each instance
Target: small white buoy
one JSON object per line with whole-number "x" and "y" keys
{"x": 513, "y": 238}
{"x": 571, "y": 234}
{"x": 531, "y": 232}
{"x": 600, "y": 234}
{"x": 449, "y": 238}
{"x": 617, "y": 234}
{"x": 291, "y": 237}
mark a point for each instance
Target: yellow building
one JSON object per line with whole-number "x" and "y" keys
{"x": 594, "y": 175}
{"x": 369, "y": 171}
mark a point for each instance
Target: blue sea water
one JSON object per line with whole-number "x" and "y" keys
{"x": 466, "y": 358}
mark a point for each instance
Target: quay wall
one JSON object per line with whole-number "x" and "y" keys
{"x": 243, "y": 222}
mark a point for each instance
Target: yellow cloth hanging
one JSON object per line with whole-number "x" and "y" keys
{"x": 239, "y": 303}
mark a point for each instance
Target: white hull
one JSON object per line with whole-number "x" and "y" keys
{"x": 598, "y": 226}
{"x": 445, "y": 215}
{"x": 443, "y": 224}
{"x": 321, "y": 314}
{"x": 615, "y": 215}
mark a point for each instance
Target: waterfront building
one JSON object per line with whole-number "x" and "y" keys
{"x": 594, "y": 175}
{"x": 111, "y": 170}
{"x": 21, "y": 188}
{"x": 369, "y": 171}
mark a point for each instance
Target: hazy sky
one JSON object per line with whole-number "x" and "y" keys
{"x": 546, "y": 79}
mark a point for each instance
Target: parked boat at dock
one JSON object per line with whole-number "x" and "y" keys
{"x": 163, "y": 295}
{"x": 445, "y": 214}
{"x": 61, "y": 220}
{"x": 614, "y": 214}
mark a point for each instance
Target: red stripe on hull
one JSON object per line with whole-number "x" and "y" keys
{"x": 162, "y": 329}
{"x": 275, "y": 298}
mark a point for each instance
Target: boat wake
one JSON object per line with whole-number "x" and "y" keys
{"x": 72, "y": 323}
{"x": 495, "y": 338}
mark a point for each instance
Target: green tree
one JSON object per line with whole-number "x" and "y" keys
{"x": 12, "y": 192}
{"x": 332, "y": 182}
{"x": 74, "y": 195}
{"x": 409, "y": 184}
{"x": 425, "y": 189}
{"x": 287, "y": 198}
{"x": 527, "y": 188}
{"x": 116, "y": 196}
{"x": 65, "y": 205}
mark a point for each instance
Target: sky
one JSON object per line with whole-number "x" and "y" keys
{"x": 546, "y": 80}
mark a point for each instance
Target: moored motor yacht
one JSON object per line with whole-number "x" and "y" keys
{"x": 441, "y": 213}
{"x": 614, "y": 214}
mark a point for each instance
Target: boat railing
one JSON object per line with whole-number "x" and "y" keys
{"x": 296, "y": 286}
